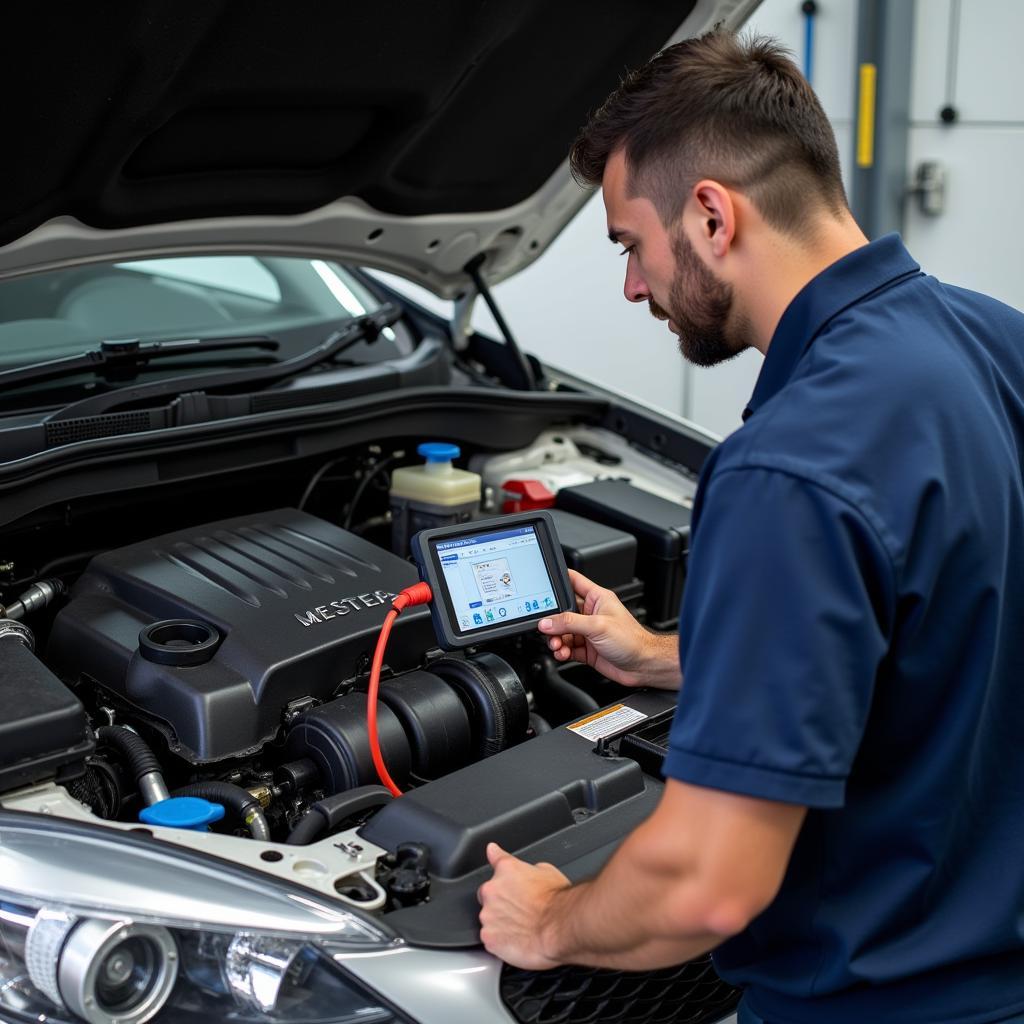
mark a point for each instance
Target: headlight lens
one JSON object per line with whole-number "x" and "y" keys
{"x": 68, "y": 957}
{"x": 58, "y": 966}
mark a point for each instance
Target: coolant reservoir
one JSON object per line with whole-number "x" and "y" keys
{"x": 432, "y": 494}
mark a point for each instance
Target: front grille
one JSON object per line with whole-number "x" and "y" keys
{"x": 689, "y": 994}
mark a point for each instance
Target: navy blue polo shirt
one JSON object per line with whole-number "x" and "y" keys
{"x": 852, "y": 640}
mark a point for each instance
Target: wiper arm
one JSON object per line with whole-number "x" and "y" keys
{"x": 364, "y": 328}
{"x": 126, "y": 354}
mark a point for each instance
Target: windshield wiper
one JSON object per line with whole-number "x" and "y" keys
{"x": 124, "y": 355}
{"x": 364, "y": 328}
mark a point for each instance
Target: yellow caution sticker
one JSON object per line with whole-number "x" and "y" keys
{"x": 866, "y": 116}
{"x": 607, "y": 722}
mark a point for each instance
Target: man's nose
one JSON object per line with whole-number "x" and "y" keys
{"x": 635, "y": 288}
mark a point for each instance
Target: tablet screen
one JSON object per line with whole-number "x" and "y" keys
{"x": 496, "y": 577}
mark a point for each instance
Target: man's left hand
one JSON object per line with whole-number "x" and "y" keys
{"x": 516, "y": 905}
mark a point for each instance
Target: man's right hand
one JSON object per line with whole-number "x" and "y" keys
{"x": 606, "y": 637}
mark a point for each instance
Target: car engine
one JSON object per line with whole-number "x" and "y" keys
{"x": 221, "y": 635}
{"x": 228, "y": 661}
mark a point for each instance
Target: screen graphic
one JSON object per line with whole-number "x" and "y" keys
{"x": 496, "y": 577}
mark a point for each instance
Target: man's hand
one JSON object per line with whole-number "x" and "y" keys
{"x": 606, "y": 637}
{"x": 515, "y": 904}
{"x": 697, "y": 871}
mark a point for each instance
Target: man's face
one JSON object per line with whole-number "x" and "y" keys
{"x": 664, "y": 270}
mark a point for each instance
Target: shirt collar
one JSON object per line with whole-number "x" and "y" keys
{"x": 843, "y": 284}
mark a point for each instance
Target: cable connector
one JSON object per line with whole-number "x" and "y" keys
{"x": 418, "y": 593}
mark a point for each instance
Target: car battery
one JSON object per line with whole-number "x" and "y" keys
{"x": 662, "y": 531}
{"x": 601, "y": 553}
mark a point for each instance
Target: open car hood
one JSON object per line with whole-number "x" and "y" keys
{"x": 407, "y": 136}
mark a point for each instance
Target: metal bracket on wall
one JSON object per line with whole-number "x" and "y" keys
{"x": 929, "y": 187}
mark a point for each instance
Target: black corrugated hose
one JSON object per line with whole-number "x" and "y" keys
{"x": 133, "y": 746}
{"x": 235, "y": 799}
{"x": 328, "y": 813}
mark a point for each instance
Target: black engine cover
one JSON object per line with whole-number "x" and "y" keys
{"x": 297, "y": 602}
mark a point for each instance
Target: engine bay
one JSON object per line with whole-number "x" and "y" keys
{"x": 227, "y": 661}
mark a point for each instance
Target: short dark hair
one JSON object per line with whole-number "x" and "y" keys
{"x": 734, "y": 109}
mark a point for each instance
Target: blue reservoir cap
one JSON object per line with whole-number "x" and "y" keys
{"x": 435, "y": 451}
{"x": 182, "y": 812}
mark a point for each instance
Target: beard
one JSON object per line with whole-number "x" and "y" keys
{"x": 701, "y": 307}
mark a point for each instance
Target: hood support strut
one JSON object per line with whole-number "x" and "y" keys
{"x": 526, "y": 381}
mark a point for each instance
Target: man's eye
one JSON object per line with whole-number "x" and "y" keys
{"x": 627, "y": 250}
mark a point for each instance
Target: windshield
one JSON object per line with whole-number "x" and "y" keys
{"x": 64, "y": 312}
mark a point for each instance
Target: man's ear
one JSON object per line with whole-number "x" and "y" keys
{"x": 714, "y": 216}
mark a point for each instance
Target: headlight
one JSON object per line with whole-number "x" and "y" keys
{"x": 71, "y": 949}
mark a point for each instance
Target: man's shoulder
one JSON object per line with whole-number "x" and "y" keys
{"x": 764, "y": 447}
{"x": 970, "y": 299}
{"x": 985, "y": 316}
{"x": 920, "y": 351}
{"x": 927, "y": 392}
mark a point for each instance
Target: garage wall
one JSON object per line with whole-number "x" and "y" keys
{"x": 569, "y": 308}
{"x": 967, "y": 53}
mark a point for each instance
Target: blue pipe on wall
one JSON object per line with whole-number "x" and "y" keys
{"x": 810, "y": 9}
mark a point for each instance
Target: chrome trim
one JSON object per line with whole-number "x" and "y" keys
{"x": 86, "y": 952}
{"x": 17, "y": 631}
{"x": 153, "y": 788}
{"x": 255, "y": 967}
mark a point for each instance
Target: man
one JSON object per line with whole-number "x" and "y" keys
{"x": 843, "y": 816}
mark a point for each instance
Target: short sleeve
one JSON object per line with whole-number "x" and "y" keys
{"x": 785, "y": 622}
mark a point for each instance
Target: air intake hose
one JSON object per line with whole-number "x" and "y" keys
{"x": 148, "y": 774}
{"x": 242, "y": 803}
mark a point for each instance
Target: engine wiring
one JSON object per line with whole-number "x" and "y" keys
{"x": 418, "y": 593}
{"x": 374, "y": 471}
{"x": 366, "y": 477}
{"x": 316, "y": 478}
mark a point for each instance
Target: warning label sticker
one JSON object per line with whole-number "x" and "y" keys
{"x": 607, "y": 722}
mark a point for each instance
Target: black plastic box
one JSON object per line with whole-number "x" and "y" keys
{"x": 524, "y": 797}
{"x": 44, "y": 732}
{"x": 602, "y": 553}
{"x": 662, "y": 531}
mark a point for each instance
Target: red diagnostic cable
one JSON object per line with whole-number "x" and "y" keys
{"x": 419, "y": 593}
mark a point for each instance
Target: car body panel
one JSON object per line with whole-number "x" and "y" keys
{"x": 429, "y": 248}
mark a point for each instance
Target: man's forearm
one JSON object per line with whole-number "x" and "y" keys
{"x": 639, "y": 913}
{"x": 571, "y": 937}
{"x": 680, "y": 884}
{"x": 663, "y": 670}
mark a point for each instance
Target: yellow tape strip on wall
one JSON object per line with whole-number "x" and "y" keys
{"x": 866, "y": 116}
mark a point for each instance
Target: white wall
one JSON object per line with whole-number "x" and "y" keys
{"x": 976, "y": 242}
{"x": 568, "y": 307}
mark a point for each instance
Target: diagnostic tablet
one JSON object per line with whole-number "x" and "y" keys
{"x": 493, "y": 578}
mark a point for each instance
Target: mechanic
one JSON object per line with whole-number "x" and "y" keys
{"x": 843, "y": 815}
